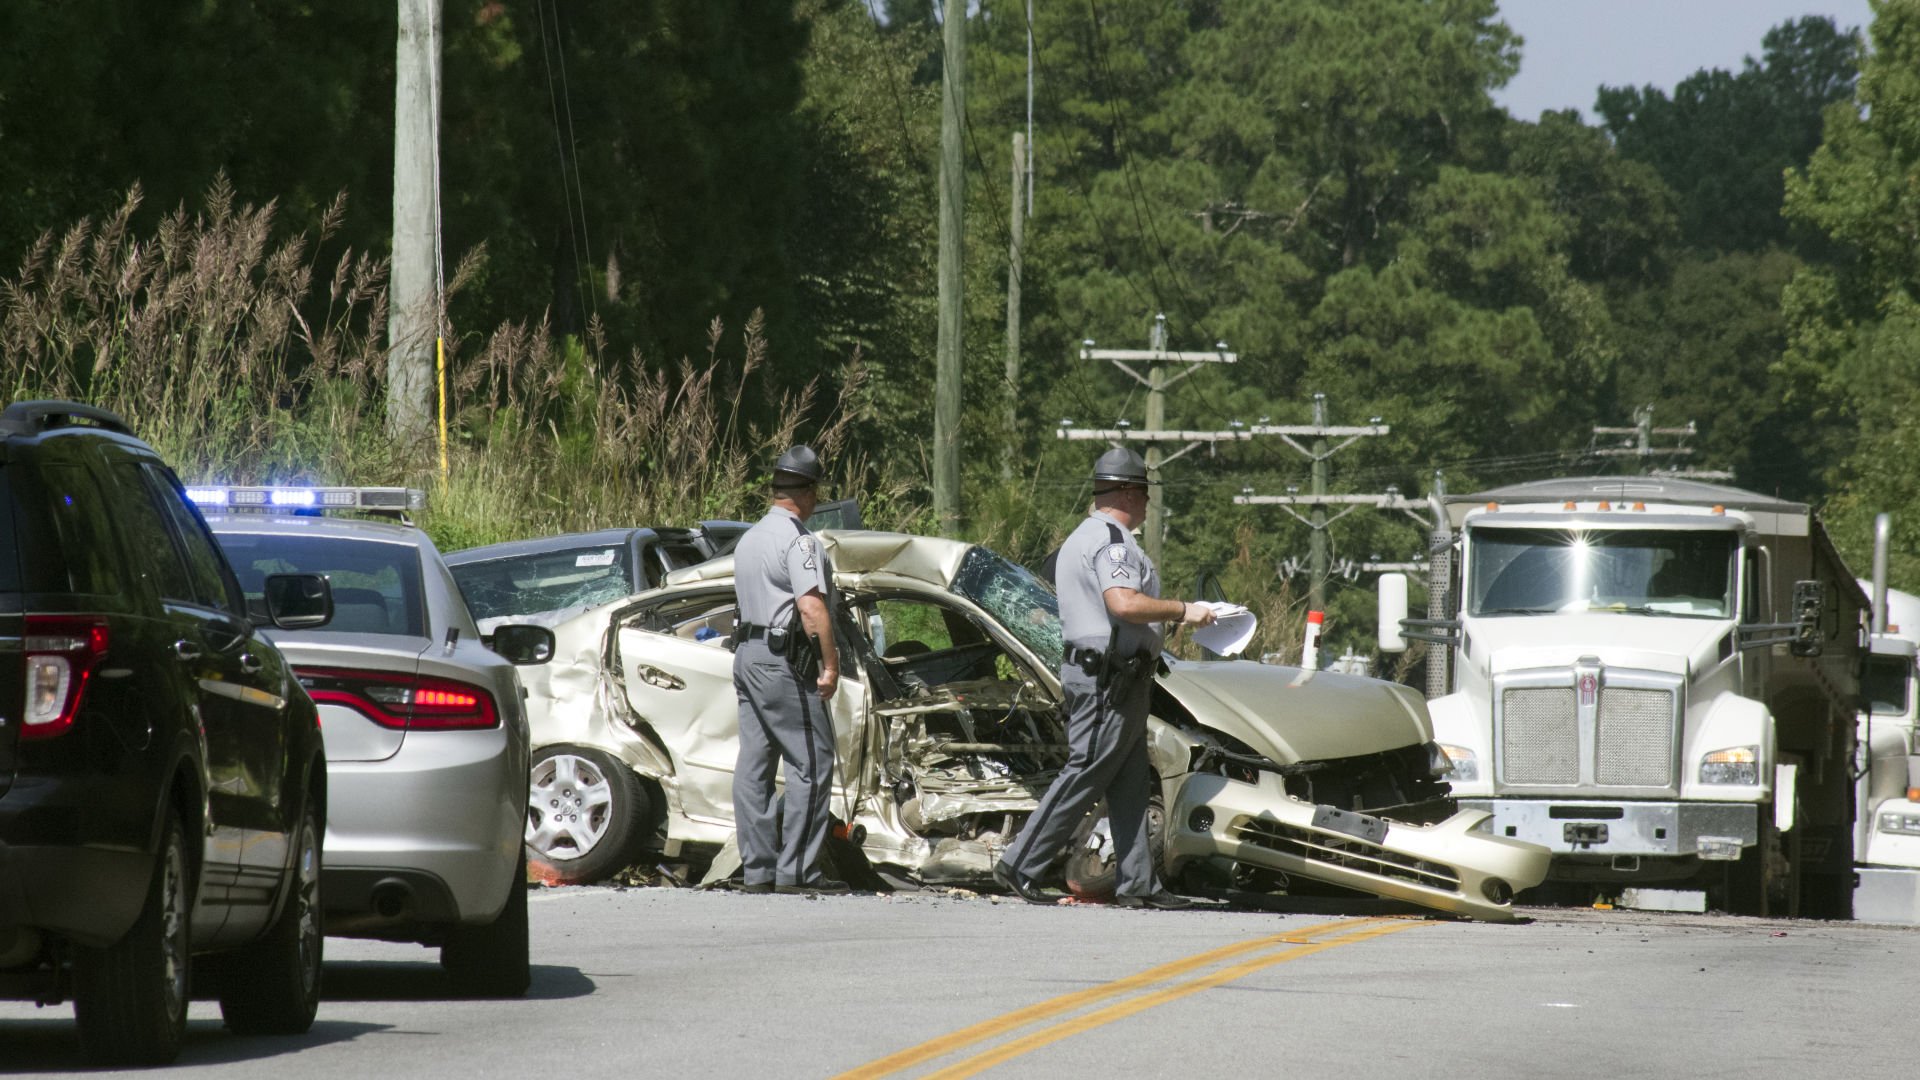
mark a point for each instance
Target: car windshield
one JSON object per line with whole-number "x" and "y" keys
{"x": 1640, "y": 571}
{"x": 1016, "y": 599}
{"x": 376, "y": 583}
{"x": 545, "y": 581}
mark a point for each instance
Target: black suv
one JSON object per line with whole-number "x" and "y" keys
{"x": 162, "y": 786}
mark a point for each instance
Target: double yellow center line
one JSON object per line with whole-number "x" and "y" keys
{"x": 1290, "y": 946}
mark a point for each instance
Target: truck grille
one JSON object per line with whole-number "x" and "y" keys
{"x": 1635, "y": 745}
{"x": 1625, "y": 738}
{"x": 1540, "y": 739}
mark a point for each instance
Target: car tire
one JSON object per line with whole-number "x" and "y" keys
{"x": 491, "y": 961}
{"x": 1090, "y": 871}
{"x": 272, "y": 987}
{"x": 587, "y": 814}
{"x": 130, "y": 997}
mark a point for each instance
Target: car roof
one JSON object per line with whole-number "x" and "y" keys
{"x": 304, "y": 525}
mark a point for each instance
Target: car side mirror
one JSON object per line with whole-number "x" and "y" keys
{"x": 522, "y": 643}
{"x": 1393, "y": 608}
{"x": 299, "y": 601}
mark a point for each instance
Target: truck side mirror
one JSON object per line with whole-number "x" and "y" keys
{"x": 1808, "y": 604}
{"x": 1393, "y": 608}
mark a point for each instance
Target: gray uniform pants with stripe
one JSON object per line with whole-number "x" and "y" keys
{"x": 781, "y": 719}
{"x": 1106, "y": 757}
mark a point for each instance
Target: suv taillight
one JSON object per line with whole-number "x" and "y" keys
{"x": 393, "y": 700}
{"x": 61, "y": 654}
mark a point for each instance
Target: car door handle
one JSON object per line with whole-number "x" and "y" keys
{"x": 188, "y": 650}
{"x": 250, "y": 663}
{"x": 653, "y": 676}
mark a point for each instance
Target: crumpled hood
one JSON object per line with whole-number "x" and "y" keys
{"x": 1291, "y": 715}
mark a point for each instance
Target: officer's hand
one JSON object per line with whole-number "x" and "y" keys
{"x": 829, "y": 679}
{"x": 1197, "y": 614}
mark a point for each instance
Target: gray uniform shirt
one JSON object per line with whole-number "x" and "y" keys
{"x": 777, "y": 562}
{"x": 1100, "y": 555}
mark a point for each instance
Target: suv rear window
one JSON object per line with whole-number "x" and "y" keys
{"x": 9, "y": 543}
{"x": 376, "y": 583}
{"x": 85, "y": 560}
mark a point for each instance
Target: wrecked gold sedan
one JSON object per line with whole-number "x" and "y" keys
{"x": 949, "y": 727}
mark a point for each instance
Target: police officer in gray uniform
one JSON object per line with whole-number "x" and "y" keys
{"x": 785, "y": 669}
{"x": 1109, "y": 607}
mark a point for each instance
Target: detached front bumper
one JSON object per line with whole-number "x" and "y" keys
{"x": 1449, "y": 867}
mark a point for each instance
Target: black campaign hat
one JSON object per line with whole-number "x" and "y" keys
{"x": 1121, "y": 465}
{"x": 799, "y": 462}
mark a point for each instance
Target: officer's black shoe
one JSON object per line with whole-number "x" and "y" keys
{"x": 755, "y": 886}
{"x": 1023, "y": 887}
{"x": 1159, "y": 899}
{"x": 821, "y": 887}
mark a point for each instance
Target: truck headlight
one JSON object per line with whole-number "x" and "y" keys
{"x": 1907, "y": 824}
{"x": 1734, "y": 765}
{"x": 1454, "y": 762}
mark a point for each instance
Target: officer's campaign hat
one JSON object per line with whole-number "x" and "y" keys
{"x": 799, "y": 467}
{"x": 1119, "y": 467}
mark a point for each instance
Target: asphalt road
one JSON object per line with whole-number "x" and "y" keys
{"x": 665, "y": 983}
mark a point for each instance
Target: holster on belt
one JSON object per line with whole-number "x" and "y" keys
{"x": 1120, "y": 674}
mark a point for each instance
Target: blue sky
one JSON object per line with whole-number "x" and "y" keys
{"x": 1574, "y": 46}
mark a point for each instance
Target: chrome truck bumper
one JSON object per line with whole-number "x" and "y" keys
{"x": 1618, "y": 828}
{"x": 1449, "y": 867}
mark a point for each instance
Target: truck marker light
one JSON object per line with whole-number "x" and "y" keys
{"x": 1605, "y": 505}
{"x": 1493, "y": 506}
{"x": 1569, "y": 505}
{"x": 1719, "y": 509}
{"x": 1640, "y": 506}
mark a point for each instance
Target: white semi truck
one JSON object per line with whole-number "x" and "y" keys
{"x": 1887, "y": 833}
{"x": 1658, "y": 679}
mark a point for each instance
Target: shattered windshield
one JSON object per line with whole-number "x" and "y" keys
{"x": 1016, "y": 599}
{"x": 1685, "y": 572}
{"x": 545, "y": 581}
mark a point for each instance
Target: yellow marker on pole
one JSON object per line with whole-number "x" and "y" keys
{"x": 440, "y": 372}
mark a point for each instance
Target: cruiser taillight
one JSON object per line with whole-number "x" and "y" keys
{"x": 403, "y": 702}
{"x": 61, "y": 654}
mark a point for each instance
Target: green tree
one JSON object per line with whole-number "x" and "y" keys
{"x": 1723, "y": 140}
{"x": 1854, "y": 326}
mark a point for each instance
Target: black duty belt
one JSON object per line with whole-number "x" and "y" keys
{"x": 1093, "y": 661}
{"x": 749, "y": 632}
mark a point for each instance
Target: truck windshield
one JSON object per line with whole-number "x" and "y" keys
{"x": 1637, "y": 571}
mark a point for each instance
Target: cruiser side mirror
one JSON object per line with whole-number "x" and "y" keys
{"x": 298, "y": 601}
{"x": 522, "y": 643}
{"x": 1393, "y": 608}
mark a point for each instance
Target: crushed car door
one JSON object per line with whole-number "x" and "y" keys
{"x": 677, "y": 678}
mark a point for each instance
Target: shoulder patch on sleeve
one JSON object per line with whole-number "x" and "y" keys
{"x": 806, "y": 545}
{"x": 1117, "y": 555}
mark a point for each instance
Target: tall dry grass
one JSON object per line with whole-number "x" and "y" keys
{"x": 212, "y": 338}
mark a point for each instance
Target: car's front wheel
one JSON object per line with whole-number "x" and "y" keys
{"x": 1090, "y": 871}
{"x": 131, "y": 997}
{"x": 587, "y": 814}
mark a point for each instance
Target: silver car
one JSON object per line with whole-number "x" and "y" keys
{"x": 424, "y": 728}
{"x": 949, "y": 725}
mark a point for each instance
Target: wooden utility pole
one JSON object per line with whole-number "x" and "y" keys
{"x": 1319, "y": 500}
{"x": 1643, "y": 432}
{"x": 1157, "y": 381}
{"x": 413, "y": 321}
{"x": 946, "y": 393}
{"x": 1016, "y": 235}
